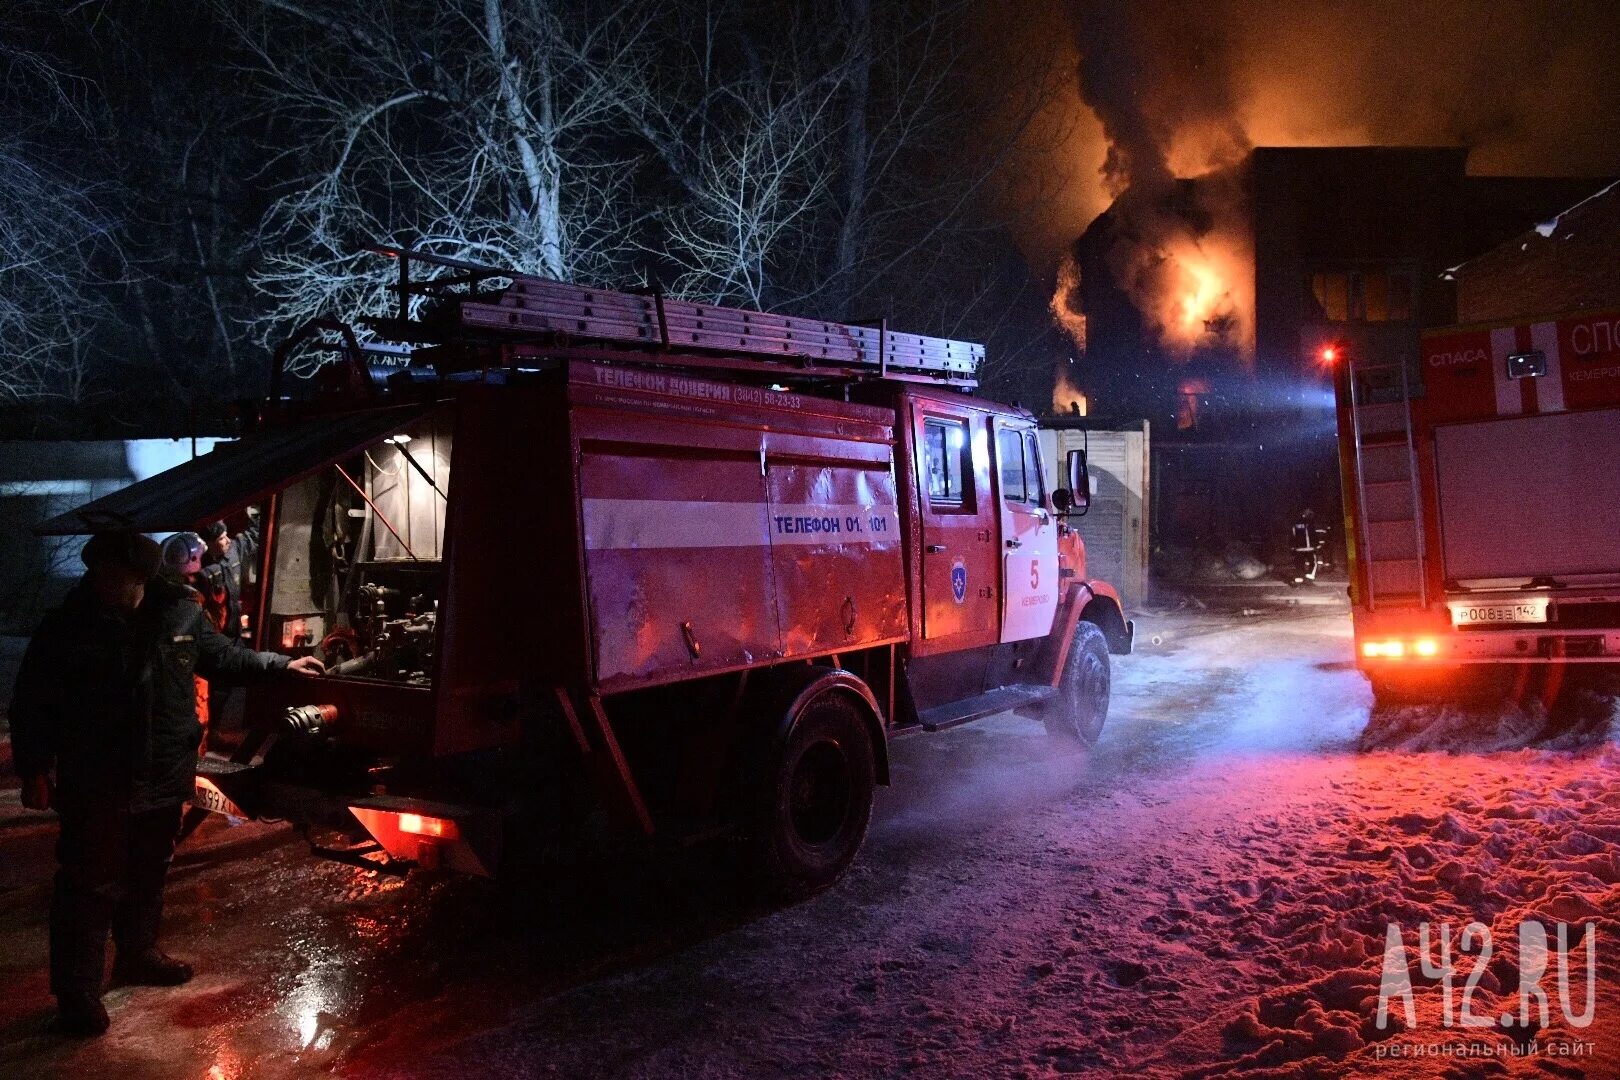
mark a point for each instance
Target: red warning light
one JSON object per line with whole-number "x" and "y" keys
{"x": 1329, "y": 354}
{"x": 421, "y": 825}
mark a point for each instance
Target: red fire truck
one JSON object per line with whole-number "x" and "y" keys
{"x": 691, "y": 566}
{"x": 1482, "y": 499}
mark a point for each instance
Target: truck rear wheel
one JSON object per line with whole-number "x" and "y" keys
{"x": 1078, "y": 711}
{"x": 814, "y": 801}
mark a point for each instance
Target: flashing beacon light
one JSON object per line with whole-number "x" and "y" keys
{"x": 1330, "y": 354}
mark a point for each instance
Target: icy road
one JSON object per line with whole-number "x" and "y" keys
{"x": 1210, "y": 892}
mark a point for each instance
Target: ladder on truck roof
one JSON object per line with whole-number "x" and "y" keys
{"x": 1388, "y": 498}
{"x": 538, "y": 310}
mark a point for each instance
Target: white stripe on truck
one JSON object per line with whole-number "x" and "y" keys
{"x": 1509, "y": 399}
{"x": 642, "y": 524}
{"x": 1550, "y": 387}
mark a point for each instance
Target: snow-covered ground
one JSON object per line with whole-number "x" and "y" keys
{"x": 1209, "y": 892}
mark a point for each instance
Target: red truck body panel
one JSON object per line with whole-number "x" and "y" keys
{"x": 726, "y": 527}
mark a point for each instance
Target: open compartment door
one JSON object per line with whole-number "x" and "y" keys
{"x": 234, "y": 475}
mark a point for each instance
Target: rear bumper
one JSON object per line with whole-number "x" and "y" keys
{"x": 409, "y": 832}
{"x": 1537, "y": 646}
{"x": 1525, "y": 645}
{"x": 1582, "y": 626}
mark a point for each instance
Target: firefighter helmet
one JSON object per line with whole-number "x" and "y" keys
{"x": 182, "y": 554}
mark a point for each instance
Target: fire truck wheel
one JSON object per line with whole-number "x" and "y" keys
{"x": 815, "y": 801}
{"x": 1077, "y": 713}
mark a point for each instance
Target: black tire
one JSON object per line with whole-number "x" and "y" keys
{"x": 813, "y": 802}
{"x": 1077, "y": 713}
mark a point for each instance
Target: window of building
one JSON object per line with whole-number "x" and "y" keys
{"x": 945, "y": 447}
{"x": 1363, "y": 295}
{"x": 1332, "y": 296}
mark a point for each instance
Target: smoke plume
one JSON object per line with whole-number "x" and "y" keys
{"x": 1185, "y": 90}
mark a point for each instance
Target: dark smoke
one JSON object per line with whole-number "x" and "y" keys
{"x": 1185, "y": 89}
{"x": 1532, "y": 87}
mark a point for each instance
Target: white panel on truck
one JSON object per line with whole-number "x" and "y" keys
{"x": 1531, "y": 496}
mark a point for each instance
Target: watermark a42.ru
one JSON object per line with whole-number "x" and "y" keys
{"x": 1542, "y": 958}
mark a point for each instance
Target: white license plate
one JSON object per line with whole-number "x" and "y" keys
{"x": 208, "y": 796}
{"x": 1519, "y": 611}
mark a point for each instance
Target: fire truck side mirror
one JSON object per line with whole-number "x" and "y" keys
{"x": 1075, "y": 497}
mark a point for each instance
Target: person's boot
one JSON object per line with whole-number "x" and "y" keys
{"x": 80, "y": 1013}
{"x": 151, "y": 967}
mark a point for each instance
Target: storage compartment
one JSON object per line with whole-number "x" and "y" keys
{"x": 1531, "y": 496}
{"x": 722, "y": 538}
{"x": 358, "y": 572}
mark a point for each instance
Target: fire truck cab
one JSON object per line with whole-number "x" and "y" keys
{"x": 690, "y": 566}
{"x": 1483, "y": 504}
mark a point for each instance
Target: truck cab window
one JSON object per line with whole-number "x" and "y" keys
{"x": 945, "y": 447}
{"x": 1034, "y": 483}
{"x": 1010, "y": 459}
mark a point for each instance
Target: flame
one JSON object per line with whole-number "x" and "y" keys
{"x": 1203, "y": 296}
{"x": 1067, "y": 398}
{"x": 1168, "y": 92}
{"x": 1065, "y": 303}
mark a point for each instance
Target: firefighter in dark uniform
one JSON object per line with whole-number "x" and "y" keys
{"x": 225, "y": 565}
{"x": 105, "y": 698}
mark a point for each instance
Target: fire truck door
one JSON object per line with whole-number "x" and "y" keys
{"x": 960, "y": 575}
{"x": 1028, "y": 532}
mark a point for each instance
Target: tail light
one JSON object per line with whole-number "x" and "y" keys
{"x": 433, "y": 834}
{"x": 418, "y": 825}
{"x": 1424, "y": 648}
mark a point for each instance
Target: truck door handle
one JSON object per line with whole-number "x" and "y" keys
{"x": 1015, "y": 543}
{"x": 935, "y": 549}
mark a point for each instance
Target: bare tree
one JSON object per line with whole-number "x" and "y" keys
{"x": 482, "y": 129}
{"x": 50, "y": 227}
{"x": 821, "y": 156}
{"x": 747, "y": 144}
{"x": 831, "y": 159}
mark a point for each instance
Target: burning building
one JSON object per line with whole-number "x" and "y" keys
{"x": 1206, "y": 302}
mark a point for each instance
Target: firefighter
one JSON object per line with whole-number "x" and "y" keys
{"x": 183, "y": 555}
{"x": 105, "y": 698}
{"x": 182, "y": 561}
{"x": 225, "y": 565}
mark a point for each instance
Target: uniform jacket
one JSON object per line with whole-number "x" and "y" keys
{"x": 108, "y": 699}
{"x": 230, "y": 574}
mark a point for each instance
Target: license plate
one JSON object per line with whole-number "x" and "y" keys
{"x": 208, "y": 796}
{"x": 1519, "y": 611}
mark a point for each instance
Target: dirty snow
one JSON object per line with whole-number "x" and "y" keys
{"x": 1207, "y": 893}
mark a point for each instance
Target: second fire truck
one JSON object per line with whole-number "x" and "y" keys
{"x": 1482, "y": 501}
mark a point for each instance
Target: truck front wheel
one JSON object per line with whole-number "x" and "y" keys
{"x": 1077, "y": 713}
{"x": 814, "y": 801}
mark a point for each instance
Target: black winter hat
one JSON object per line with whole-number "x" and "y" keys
{"x": 130, "y": 550}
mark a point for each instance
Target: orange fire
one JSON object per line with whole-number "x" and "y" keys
{"x": 1067, "y": 398}
{"x": 1203, "y": 295}
{"x": 1065, "y": 304}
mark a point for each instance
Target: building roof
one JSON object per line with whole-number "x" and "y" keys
{"x": 1569, "y": 262}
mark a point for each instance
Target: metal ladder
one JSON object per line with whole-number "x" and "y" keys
{"x": 1391, "y": 504}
